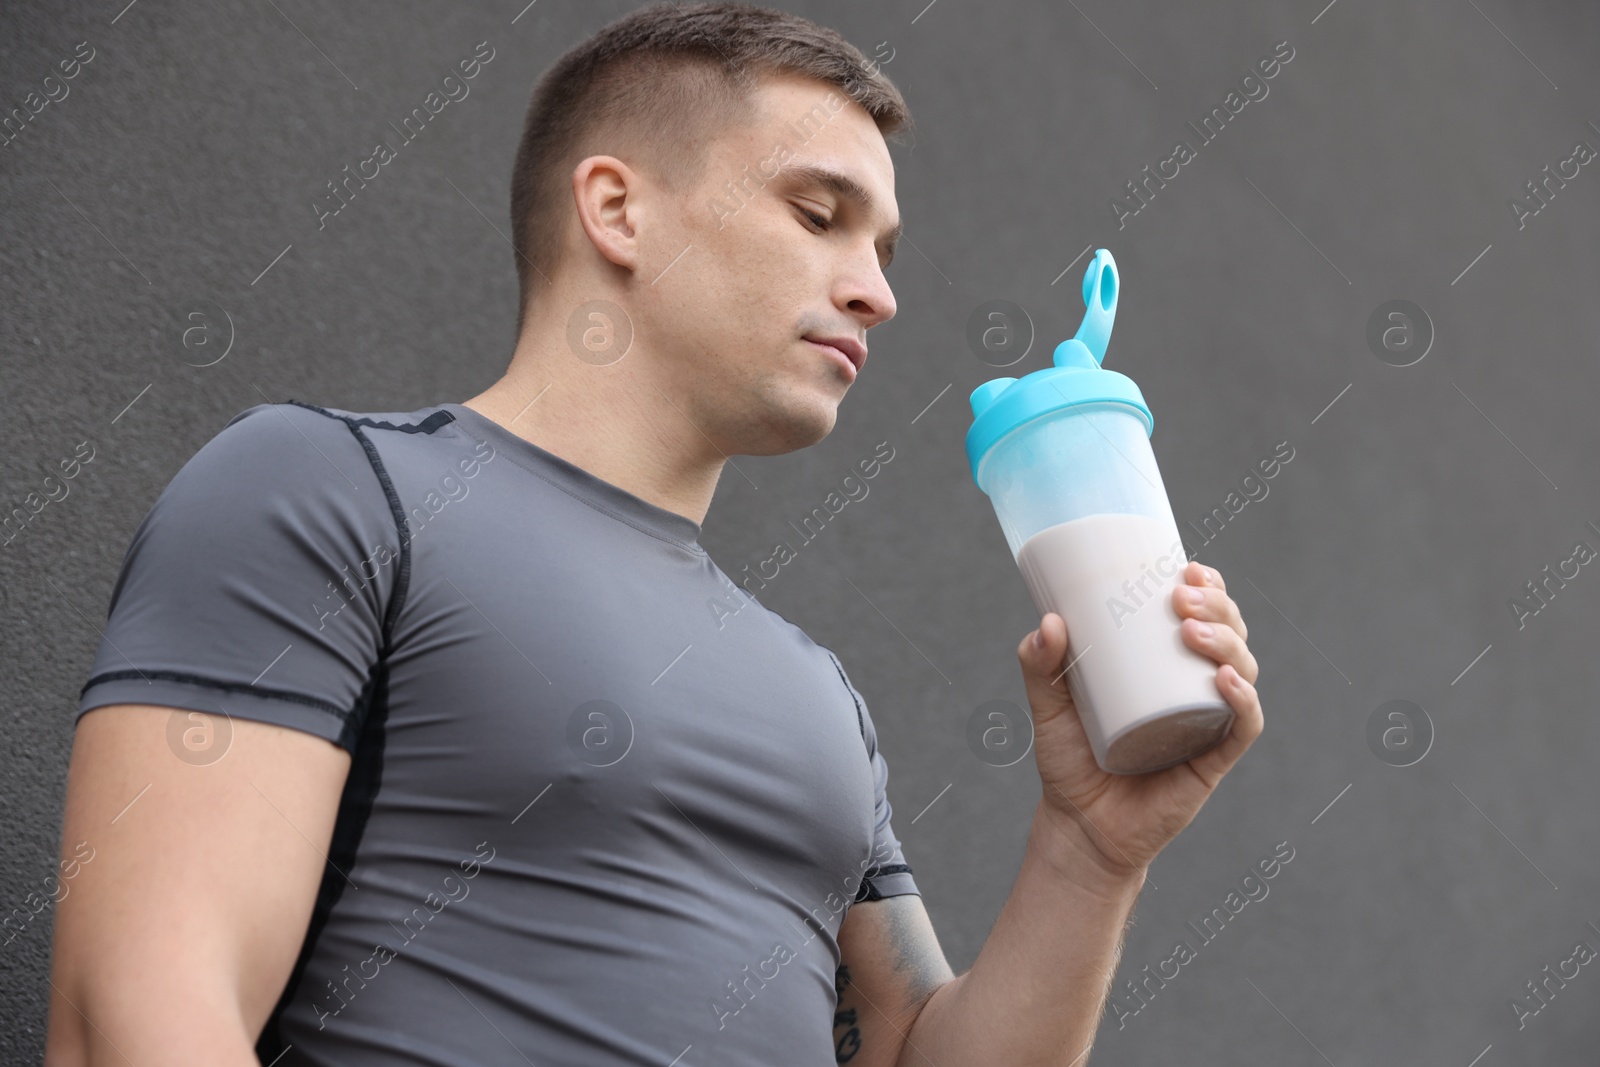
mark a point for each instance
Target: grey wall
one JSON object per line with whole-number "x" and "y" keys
{"x": 1380, "y": 566}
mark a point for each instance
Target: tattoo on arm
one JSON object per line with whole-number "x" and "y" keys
{"x": 898, "y": 966}
{"x": 846, "y": 1032}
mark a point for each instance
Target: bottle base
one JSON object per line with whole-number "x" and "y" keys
{"x": 1168, "y": 739}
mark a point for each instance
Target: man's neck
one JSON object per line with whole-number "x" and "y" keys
{"x": 614, "y": 422}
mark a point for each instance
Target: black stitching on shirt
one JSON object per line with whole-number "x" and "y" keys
{"x": 851, "y": 690}
{"x": 214, "y": 683}
{"x": 365, "y": 736}
{"x": 869, "y": 890}
{"x": 403, "y": 578}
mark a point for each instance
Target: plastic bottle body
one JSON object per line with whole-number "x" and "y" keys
{"x": 1083, "y": 507}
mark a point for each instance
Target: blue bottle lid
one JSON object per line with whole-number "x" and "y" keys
{"x": 1000, "y": 405}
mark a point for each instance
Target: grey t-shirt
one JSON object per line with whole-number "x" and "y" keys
{"x": 603, "y": 807}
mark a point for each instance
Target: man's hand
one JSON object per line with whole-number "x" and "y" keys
{"x": 1038, "y": 987}
{"x": 1125, "y": 820}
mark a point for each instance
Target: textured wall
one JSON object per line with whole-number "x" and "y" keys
{"x": 1381, "y": 164}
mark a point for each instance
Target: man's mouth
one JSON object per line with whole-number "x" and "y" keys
{"x": 848, "y": 349}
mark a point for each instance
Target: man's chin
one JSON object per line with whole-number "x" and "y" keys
{"x": 800, "y": 425}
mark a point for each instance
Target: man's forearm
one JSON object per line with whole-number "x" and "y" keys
{"x": 1035, "y": 993}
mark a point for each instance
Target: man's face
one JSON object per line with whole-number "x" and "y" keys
{"x": 757, "y": 272}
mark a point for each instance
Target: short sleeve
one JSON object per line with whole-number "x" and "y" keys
{"x": 889, "y": 875}
{"x": 257, "y": 584}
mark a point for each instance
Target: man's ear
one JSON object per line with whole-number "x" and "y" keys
{"x": 606, "y": 192}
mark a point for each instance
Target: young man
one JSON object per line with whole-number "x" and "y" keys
{"x": 435, "y": 737}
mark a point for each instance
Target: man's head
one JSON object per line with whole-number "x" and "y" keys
{"x": 720, "y": 173}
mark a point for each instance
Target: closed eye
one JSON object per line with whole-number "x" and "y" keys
{"x": 816, "y": 220}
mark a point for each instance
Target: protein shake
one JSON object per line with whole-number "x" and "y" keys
{"x": 1151, "y": 699}
{"x": 1064, "y": 456}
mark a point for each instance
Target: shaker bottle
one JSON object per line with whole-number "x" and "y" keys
{"x": 1064, "y": 455}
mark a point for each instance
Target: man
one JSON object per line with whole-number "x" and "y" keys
{"x": 435, "y": 737}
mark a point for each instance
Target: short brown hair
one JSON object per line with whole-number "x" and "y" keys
{"x": 666, "y": 79}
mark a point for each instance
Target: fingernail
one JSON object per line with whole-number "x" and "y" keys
{"x": 1196, "y": 596}
{"x": 1038, "y": 638}
{"x": 1204, "y": 629}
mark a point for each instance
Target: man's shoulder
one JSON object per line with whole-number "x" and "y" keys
{"x": 824, "y": 658}
{"x": 801, "y": 641}
{"x": 287, "y": 436}
{"x": 273, "y": 452}
{"x": 299, "y": 414}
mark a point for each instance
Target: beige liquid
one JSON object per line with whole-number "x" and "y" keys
{"x": 1147, "y": 700}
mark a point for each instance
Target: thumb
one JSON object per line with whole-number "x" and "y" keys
{"x": 1043, "y": 656}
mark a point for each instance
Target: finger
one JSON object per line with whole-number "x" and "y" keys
{"x": 1197, "y": 573}
{"x": 1222, "y": 644}
{"x": 1248, "y": 723}
{"x": 1043, "y": 665}
{"x": 1209, "y": 605}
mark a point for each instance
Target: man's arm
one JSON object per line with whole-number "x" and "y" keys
{"x": 1040, "y": 980}
{"x": 1035, "y": 993}
{"x": 174, "y": 942}
{"x": 890, "y": 964}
